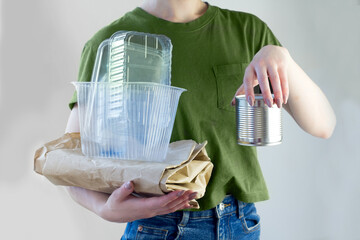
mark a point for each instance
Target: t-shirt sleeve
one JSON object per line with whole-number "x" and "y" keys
{"x": 87, "y": 61}
{"x": 268, "y": 37}
{"x": 257, "y": 32}
{"x": 264, "y": 33}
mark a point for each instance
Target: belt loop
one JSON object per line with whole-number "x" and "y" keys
{"x": 185, "y": 218}
{"x": 241, "y": 206}
{"x": 218, "y": 211}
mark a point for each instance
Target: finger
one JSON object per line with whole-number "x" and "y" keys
{"x": 262, "y": 77}
{"x": 160, "y": 202}
{"x": 121, "y": 193}
{"x": 183, "y": 205}
{"x": 284, "y": 84}
{"x": 276, "y": 86}
{"x": 177, "y": 205}
{"x": 180, "y": 200}
{"x": 248, "y": 82}
{"x": 240, "y": 91}
{"x": 188, "y": 195}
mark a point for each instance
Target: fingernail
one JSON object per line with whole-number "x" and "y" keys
{"x": 250, "y": 100}
{"x": 268, "y": 102}
{"x": 278, "y": 102}
{"x": 128, "y": 185}
{"x": 190, "y": 207}
{"x": 285, "y": 99}
{"x": 180, "y": 193}
{"x": 192, "y": 196}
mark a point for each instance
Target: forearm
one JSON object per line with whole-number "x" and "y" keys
{"x": 308, "y": 105}
{"x": 73, "y": 121}
{"x": 91, "y": 200}
{"x": 121, "y": 207}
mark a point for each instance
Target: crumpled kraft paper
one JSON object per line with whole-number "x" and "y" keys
{"x": 187, "y": 167}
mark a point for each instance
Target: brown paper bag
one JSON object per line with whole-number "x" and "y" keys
{"x": 187, "y": 167}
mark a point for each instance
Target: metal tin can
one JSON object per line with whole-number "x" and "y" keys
{"x": 257, "y": 125}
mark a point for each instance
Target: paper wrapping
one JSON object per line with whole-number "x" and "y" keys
{"x": 187, "y": 167}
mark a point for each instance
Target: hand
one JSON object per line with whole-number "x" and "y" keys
{"x": 121, "y": 206}
{"x": 270, "y": 62}
{"x": 286, "y": 76}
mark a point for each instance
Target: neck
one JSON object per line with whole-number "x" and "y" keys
{"x": 180, "y": 11}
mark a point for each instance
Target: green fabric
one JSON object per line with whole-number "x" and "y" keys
{"x": 210, "y": 55}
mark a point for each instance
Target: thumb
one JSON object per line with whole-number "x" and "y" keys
{"x": 122, "y": 192}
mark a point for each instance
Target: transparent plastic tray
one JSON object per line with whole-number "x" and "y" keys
{"x": 130, "y": 56}
{"x": 101, "y": 66}
{"x": 141, "y": 127}
{"x": 140, "y": 57}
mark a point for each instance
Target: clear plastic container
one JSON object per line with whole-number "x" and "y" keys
{"x": 130, "y": 56}
{"x": 139, "y": 128}
{"x": 101, "y": 66}
{"x": 100, "y": 73}
{"x": 140, "y": 57}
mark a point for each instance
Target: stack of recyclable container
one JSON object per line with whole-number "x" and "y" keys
{"x": 128, "y": 109}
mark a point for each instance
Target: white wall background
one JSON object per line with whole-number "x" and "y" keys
{"x": 314, "y": 184}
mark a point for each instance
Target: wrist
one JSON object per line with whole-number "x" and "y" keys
{"x": 109, "y": 214}
{"x": 102, "y": 211}
{"x": 291, "y": 66}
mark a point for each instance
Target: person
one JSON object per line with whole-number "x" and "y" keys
{"x": 217, "y": 53}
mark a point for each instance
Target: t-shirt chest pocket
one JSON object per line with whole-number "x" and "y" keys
{"x": 228, "y": 79}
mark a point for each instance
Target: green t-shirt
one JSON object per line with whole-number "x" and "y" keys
{"x": 209, "y": 58}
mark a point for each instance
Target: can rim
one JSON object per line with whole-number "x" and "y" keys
{"x": 258, "y": 144}
{"x": 257, "y": 96}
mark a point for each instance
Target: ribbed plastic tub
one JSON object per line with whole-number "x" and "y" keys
{"x": 131, "y": 121}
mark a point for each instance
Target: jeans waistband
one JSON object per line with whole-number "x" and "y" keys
{"x": 228, "y": 206}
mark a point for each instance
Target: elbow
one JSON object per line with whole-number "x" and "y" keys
{"x": 325, "y": 134}
{"x": 327, "y": 130}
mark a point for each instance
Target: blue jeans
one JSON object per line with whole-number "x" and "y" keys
{"x": 231, "y": 219}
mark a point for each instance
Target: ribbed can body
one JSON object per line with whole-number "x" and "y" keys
{"x": 257, "y": 125}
